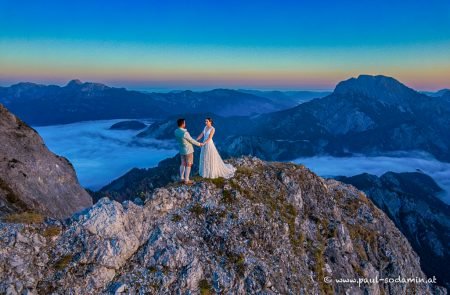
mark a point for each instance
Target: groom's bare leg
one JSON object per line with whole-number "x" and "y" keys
{"x": 189, "y": 161}
{"x": 182, "y": 169}
{"x": 188, "y": 172}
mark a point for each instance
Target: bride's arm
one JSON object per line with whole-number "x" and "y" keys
{"x": 210, "y": 135}
{"x": 200, "y": 136}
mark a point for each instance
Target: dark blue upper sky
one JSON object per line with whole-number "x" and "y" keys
{"x": 273, "y": 44}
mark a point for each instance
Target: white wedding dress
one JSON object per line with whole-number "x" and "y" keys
{"x": 211, "y": 164}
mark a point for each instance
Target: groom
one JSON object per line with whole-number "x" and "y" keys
{"x": 185, "y": 142}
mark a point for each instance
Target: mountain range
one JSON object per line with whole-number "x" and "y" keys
{"x": 259, "y": 232}
{"x": 78, "y": 101}
{"x": 368, "y": 115}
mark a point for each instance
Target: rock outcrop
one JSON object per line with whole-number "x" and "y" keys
{"x": 411, "y": 201}
{"x": 275, "y": 228}
{"x": 31, "y": 177}
{"x": 128, "y": 125}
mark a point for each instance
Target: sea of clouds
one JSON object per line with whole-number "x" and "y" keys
{"x": 328, "y": 166}
{"x": 100, "y": 155}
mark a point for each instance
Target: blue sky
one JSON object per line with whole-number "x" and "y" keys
{"x": 208, "y": 44}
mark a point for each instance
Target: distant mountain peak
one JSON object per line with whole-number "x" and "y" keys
{"x": 443, "y": 92}
{"x": 381, "y": 87}
{"x": 74, "y": 82}
{"x": 86, "y": 86}
{"x": 25, "y": 86}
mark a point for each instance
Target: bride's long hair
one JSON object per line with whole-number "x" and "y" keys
{"x": 210, "y": 120}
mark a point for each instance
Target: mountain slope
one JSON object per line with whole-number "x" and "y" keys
{"x": 288, "y": 98}
{"x": 273, "y": 229}
{"x": 31, "y": 177}
{"x": 223, "y": 102}
{"x": 409, "y": 199}
{"x": 440, "y": 93}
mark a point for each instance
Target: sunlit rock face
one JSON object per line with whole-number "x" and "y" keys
{"x": 275, "y": 228}
{"x": 31, "y": 177}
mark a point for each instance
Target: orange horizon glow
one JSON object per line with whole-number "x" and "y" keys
{"x": 172, "y": 67}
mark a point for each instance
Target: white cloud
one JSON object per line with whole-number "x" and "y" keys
{"x": 100, "y": 155}
{"x": 328, "y": 166}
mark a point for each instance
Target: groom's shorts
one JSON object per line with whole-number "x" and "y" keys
{"x": 187, "y": 160}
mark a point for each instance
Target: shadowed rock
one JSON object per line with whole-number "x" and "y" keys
{"x": 31, "y": 177}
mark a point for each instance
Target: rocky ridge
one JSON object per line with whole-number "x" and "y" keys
{"x": 275, "y": 228}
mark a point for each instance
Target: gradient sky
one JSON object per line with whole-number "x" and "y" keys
{"x": 236, "y": 44}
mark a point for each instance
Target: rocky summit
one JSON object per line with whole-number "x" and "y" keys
{"x": 275, "y": 228}
{"x": 33, "y": 179}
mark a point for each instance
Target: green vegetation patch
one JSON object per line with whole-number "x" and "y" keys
{"x": 197, "y": 210}
{"x": 205, "y": 287}
{"x": 218, "y": 182}
{"x": 227, "y": 197}
{"x": 244, "y": 171}
{"x": 63, "y": 262}
{"x": 318, "y": 269}
{"x": 176, "y": 218}
{"x": 238, "y": 262}
{"x": 24, "y": 217}
{"x": 51, "y": 231}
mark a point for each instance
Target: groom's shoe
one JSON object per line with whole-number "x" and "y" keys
{"x": 189, "y": 182}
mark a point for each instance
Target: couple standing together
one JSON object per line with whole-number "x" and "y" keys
{"x": 211, "y": 164}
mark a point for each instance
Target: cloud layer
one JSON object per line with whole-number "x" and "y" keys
{"x": 400, "y": 162}
{"x": 100, "y": 155}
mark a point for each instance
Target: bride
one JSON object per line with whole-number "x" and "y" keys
{"x": 211, "y": 164}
